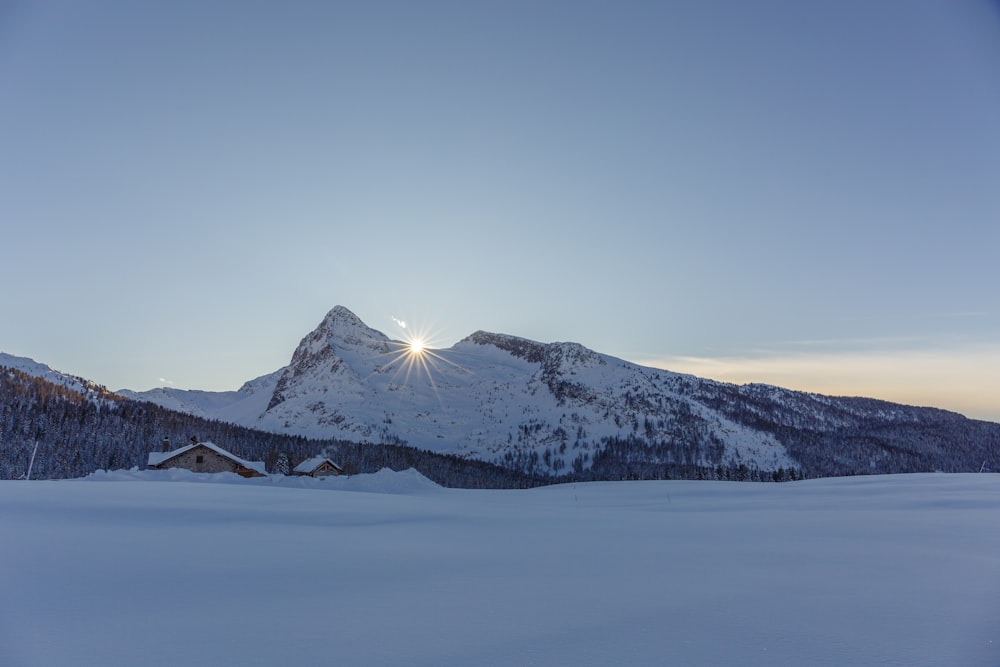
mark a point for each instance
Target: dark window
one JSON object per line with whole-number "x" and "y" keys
{"x": 199, "y": 459}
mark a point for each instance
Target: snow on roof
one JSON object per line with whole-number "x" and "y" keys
{"x": 157, "y": 458}
{"x": 311, "y": 464}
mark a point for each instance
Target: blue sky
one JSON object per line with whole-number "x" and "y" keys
{"x": 796, "y": 193}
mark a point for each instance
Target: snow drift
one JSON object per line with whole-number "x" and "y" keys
{"x": 388, "y": 569}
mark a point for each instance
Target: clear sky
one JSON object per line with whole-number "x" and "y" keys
{"x": 800, "y": 193}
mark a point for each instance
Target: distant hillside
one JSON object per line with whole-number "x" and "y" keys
{"x": 78, "y": 433}
{"x": 88, "y": 388}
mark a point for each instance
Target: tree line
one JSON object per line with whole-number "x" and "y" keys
{"x": 76, "y": 435}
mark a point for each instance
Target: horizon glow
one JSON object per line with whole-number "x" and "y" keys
{"x": 958, "y": 379}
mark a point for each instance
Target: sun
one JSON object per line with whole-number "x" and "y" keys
{"x": 416, "y": 356}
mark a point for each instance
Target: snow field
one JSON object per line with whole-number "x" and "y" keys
{"x": 389, "y": 569}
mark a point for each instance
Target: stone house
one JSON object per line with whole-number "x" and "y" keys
{"x": 204, "y": 457}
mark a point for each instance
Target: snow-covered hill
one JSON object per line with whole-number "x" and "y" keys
{"x": 560, "y": 408}
{"x": 239, "y": 407}
{"x": 549, "y": 408}
{"x": 491, "y": 396}
{"x": 890, "y": 570}
{"x": 75, "y": 383}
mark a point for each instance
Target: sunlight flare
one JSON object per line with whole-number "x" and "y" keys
{"x": 414, "y": 357}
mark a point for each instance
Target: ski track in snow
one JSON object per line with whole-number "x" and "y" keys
{"x": 172, "y": 568}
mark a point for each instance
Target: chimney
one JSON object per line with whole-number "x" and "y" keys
{"x": 194, "y": 440}
{"x": 166, "y": 445}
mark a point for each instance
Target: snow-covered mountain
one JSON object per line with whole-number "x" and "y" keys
{"x": 560, "y": 408}
{"x": 75, "y": 383}
{"x": 491, "y": 396}
{"x": 551, "y": 408}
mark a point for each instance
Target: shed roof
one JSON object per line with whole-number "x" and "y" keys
{"x": 310, "y": 465}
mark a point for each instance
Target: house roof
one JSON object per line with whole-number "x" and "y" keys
{"x": 158, "y": 458}
{"x": 311, "y": 464}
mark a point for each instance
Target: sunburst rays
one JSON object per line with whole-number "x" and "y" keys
{"x": 415, "y": 358}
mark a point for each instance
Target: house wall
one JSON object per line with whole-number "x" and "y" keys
{"x": 325, "y": 469}
{"x": 211, "y": 462}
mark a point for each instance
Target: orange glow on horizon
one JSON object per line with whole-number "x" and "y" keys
{"x": 959, "y": 379}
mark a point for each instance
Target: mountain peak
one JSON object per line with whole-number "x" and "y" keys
{"x": 342, "y": 312}
{"x": 342, "y": 316}
{"x": 320, "y": 353}
{"x": 342, "y": 324}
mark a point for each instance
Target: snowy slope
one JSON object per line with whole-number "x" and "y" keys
{"x": 72, "y": 382}
{"x": 241, "y": 406}
{"x": 890, "y": 570}
{"x": 491, "y": 396}
{"x": 559, "y": 407}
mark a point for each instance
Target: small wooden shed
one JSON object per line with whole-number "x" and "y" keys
{"x": 318, "y": 466}
{"x": 205, "y": 457}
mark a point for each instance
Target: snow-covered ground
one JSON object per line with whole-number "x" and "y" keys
{"x": 169, "y": 568}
